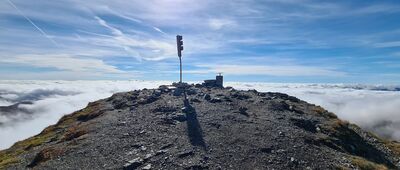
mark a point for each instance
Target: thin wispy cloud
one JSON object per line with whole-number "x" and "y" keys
{"x": 33, "y": 24}
{"x": 115, "y": 31}
{"x": 217, "y": 24}
{"x": 159, "y": 30}
{"x": 157, "y": 50}
{"x": 124, "y": 16}
{"x": 64, "y": 62}
{"x": 388, "y": 44}
{"x": 288, "y": 70}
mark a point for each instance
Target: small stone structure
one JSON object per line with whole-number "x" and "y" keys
{"x": 217, "y": 82}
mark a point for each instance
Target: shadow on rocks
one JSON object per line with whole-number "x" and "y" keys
{"x": 194, "y": 130}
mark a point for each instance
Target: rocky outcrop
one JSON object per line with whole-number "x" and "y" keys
{"x": 202, "y": 128}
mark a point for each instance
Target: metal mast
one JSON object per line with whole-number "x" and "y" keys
{"x": 179, "y": 44}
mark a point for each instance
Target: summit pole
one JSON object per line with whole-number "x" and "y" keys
{"x": 180, "y": 64}
{"x": 179, "y": 46}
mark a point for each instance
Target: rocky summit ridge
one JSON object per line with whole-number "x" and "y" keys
{"x": 197, "y": 127}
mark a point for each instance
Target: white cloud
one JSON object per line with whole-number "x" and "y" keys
{"x": 159, "y": 30}
{"x": 272, "y": 70}
{"x": 63, "y": 62}
{"x": 251, "y": 41}
{"x": 387, "y": 44}
{"x": 148, "y": 49}
{"x": 217, "y": 24}
{"x": 71, "y": 75}
{"x": 123, "y": 16}
{"x": 397, "y": 54}
{"x": 115, "y": 31}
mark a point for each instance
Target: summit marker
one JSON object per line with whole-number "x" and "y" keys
{"x": 179, "y": 44}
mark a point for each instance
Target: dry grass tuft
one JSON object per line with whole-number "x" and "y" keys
{"x": 74, "y": 132}
{"x": 333, "y": 125}
{"x": 321, "y": 111}
{"x": 7, "y": 158}
{"x": 45, "y": 155}
{"x": 367, "y": 165}
{"x": 394, "y": 147}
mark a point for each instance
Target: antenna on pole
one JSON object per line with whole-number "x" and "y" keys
{"x": 179, "y": 45}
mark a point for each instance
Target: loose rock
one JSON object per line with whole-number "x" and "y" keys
{"x": 147, "y": 167}
{"x": 133, "y": 164}
{"x": 207, "y": 97}
{"x": 215, "y": 100}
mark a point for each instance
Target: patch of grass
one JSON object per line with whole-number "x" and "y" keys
{"x": 45, "y": 155}
{"x": 10, "y": 156}
{"x": 34, "y": 141}
{"x": 366, "y": 165}
{"x": 394, "y": 147}
{"x": 342, "y": 168}
{"x": 318, "y": 109}
{"x": 321, "y": 111}
{"x": 66, "y": 120}
{"x": 59, "y": 131}
{"x": 7, "y": 159}
{"x": 333, "y": 125}
{"x": 345, "y": 139}
{"x": 74, "y": 132}
{"x": 93, "y": 110}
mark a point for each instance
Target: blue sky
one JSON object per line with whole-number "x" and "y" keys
{"x": 247, "y": 40}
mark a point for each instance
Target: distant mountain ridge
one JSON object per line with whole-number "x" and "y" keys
{"x": 376, "y": 87}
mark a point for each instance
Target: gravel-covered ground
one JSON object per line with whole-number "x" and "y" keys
{"x": 212, "y": 128}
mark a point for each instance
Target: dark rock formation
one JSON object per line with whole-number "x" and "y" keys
{"x": 15, "y": 108}
{"x": 201, "y": 128}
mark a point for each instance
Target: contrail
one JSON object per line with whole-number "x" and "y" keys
{"x": 39, "y": 29}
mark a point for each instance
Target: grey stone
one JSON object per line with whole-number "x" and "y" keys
{"x": 195, "y": 100}
{"x": 133, "y": 164}
{"x": 148, "y": 156}
{"x": 179, "y": 117}
{"x": 147, "y": 167}
{"x": 207, "y": 97}
{"x": 185, "y": 154}
{"x": 281, "y": 133}
{"x": 157, "y": 93}
{"x": 243, "y": 111}
{"x": 164, "y": 88}
{"x": 178, "y": 92}
{"x": 191, "y": 91}
{"x": 215, "y": 100}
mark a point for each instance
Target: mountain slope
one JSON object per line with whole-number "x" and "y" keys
{"x": 213, "y": 129}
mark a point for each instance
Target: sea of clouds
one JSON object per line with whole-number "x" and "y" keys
{"x": 373, "y": 107}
